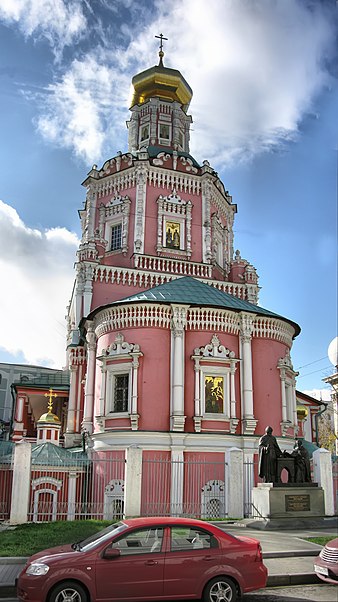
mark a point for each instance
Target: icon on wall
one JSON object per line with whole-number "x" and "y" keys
{"x": 214, "y": 394}
{"x": 172, "y": 235}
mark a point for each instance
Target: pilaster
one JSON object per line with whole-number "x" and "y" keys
{"x": 247, "y": 326}
{"x": 178, "y": 324}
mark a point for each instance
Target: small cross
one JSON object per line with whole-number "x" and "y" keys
{"x": 50, "y": 395}
{"x": 161, "y": 37}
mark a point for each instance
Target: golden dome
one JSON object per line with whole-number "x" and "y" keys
{"x": 49, "y": 418}
{"x": 302, "y": 412}
{"x": 159, "y": 81}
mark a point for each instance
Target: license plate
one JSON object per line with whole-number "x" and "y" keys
{"x": 322, "y": 570}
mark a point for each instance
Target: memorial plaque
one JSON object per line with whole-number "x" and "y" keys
{"x": 297, "y": 503}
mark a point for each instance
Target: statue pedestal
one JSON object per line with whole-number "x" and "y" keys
{"x": 288, "y": 504}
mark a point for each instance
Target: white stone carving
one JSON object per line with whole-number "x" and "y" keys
{"x": 215, "y": 349}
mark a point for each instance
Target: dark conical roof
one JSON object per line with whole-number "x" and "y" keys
{"x": 188, "y": 290}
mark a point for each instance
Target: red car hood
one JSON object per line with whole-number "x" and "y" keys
{"x": 58, "y": 550}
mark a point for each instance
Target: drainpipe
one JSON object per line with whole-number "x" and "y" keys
{"x": 316, "y": 420}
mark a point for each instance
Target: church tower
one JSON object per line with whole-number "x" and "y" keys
{"x": 166, "y": 340}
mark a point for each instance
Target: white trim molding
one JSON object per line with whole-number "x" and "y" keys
{"x": 215, "y": 361}
{"x": 119, "y": 358}
{"x": 288, "y": 393}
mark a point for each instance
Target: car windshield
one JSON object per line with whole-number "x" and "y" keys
{"x": 94, "y": 540}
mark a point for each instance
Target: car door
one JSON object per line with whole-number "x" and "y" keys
{"x": 192, "y": 553}
{"x": 137, "y": 572}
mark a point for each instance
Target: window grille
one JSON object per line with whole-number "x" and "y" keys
{"x": 121, "y": 384}
{"x": 116, "y": 237}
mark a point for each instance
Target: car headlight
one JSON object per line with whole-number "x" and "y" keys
{"x": 37, "y": 568}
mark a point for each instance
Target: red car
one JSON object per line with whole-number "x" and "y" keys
{"x": 146, "y": 559}
{"x": 326, "y": 564}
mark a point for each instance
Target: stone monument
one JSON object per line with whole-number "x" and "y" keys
{"x": 291, "y": 504}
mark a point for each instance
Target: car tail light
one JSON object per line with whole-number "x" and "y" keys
{"x": 259, "y": 555}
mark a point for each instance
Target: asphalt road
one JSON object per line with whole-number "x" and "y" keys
{"x": 295, "y": 593}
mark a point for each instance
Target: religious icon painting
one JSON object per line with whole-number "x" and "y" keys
{"x": 172, "y": 235}
{"x": 214, "y": 394}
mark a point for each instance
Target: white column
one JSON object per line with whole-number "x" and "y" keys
{"x": 72, "y": 400}
{"x": 247, "y": 324}
{"x": 197, "y": 388}
{"x": 232, "y": 391}
{"x": 235, "y": 483}
{"x": 71, "y": 495}
{"x": 322, "y": 474}
{"x": 102, "y": 400}
{"x": 177, "y": 350}
{"x": 284, "y": 410}
{"x": 177, "y": 482}
{"x": 87, "y": 423}
{"x": 134, "y": 387}
{"x": 21, "y": 483}
{"x": 133, "y": 482}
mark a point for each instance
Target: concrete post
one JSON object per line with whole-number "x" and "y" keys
{"x": 21, "y": 483}
{"x": 322, "y": 474}
{"x": 234, "y": 457}
{"x": 177, "y": 480}
{"x": 133, "y": 482}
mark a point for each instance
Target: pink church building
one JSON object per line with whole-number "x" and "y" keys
{"x": 175, "y": 368}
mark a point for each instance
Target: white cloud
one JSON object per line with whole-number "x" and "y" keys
{"x": 255, "y": 69}
{"x": 36, "y": 276}
{"x": 319, "y": 394}
{"x": 82, "y": 110}
{"x": 60, "y": 22}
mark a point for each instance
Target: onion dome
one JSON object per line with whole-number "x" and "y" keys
{"x": 162, "y": 82}
{"x": 302, "y": 412}
{"x": 49, "y": 418}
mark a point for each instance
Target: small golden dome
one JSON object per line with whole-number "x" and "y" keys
{"x": 302, "y": 412}
{"x": 49, "y": 418}
{"x": 162, "y": 82}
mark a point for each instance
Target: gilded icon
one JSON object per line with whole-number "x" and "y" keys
{"x": 214, "y": 394}
{"x": 172, "y": 235}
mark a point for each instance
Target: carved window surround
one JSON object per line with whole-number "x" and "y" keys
{"x": 219, "y": 243}
{"x": 116, "y": 211}
{"x": 172, "y": 208}
{"x": 288, "y": 390}
{"x": 119, "y": 358}
{"x": 217, "y": 361}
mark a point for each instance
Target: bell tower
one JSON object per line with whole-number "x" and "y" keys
{"x": 161, "y": 98}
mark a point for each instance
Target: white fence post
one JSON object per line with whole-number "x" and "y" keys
{"x": 21, "y": 483}
{"x": 133, "y": 482}
{"x": 235, "y": 483}
{"x": 322, "y": 474}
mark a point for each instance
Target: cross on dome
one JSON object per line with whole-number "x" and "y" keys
{"x": 161, "y": 53}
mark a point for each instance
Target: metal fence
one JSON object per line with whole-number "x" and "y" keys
{"x": 184, "y": 488}
{"x": 6, "y": 478}
{"x": 80, "y": 488}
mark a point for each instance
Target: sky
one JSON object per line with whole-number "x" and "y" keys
{"x": 265, "y": 115}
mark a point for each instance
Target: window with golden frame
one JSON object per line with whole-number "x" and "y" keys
{"x": 173, "y": 235}
{"x": 214, "y": 394}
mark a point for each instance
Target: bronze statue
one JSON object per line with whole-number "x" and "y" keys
{"x": 269, "y": 451}
{"x": 302, "y": 461}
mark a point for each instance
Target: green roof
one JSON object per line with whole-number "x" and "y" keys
{"x": 189, "y": 291}
{"x": 50, "y": 454}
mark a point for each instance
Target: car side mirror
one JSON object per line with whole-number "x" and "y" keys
{"x": 111, "y": 553}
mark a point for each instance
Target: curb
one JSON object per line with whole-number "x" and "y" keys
{"x": 292, "y": 579}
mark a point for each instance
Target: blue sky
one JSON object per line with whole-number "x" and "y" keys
{"x": 264, "y": 76}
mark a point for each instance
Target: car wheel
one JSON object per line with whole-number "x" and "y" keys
{"x": 220, "y": 589}
{"x": 68, "y": 591}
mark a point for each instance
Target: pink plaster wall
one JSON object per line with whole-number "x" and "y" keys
{"x": 267, "y": 384}
{"x": 153, "y": 374}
